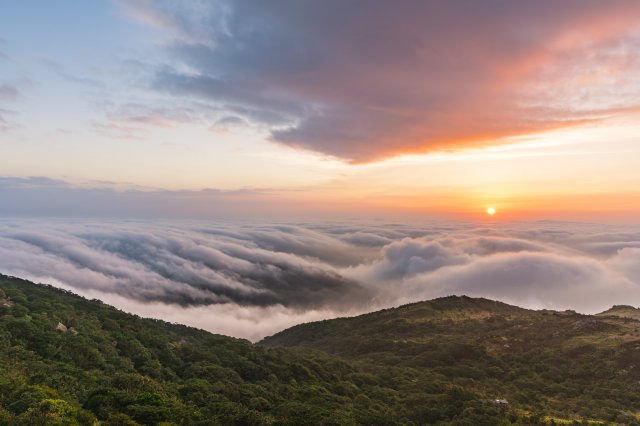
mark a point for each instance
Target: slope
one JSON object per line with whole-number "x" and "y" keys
{"x": 116, "y": 368}
{"x": 558, "y": 364}
{"x": 622, "y": 311}
{"x": 67, "y": 360}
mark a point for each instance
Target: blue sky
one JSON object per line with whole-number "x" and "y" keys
{"x": 246, "y": 165}
{"x": 428, "y": 108}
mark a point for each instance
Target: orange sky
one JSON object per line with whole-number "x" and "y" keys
{"x": 435, "y": 109}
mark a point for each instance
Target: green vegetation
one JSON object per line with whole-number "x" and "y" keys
{"x": 120, "y": 369}
{"x": 622, "y": 311}
{"x": 559, "y": 366}
{"x": 447, "y": 361}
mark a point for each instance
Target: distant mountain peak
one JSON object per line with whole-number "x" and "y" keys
{"x": 462, "y": 302}
{"x": 620, "y": 307}
{"x": 624, "y": 311}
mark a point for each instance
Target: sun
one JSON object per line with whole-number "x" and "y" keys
{"x": 491, "y": 211}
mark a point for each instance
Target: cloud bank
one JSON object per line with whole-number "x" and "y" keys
{"x": 364, "y": 80}
{"x": 253, "y": 279}
{"x": 32, "y": 195}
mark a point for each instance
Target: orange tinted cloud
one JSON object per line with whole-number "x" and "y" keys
{"x": 366, "y": 82}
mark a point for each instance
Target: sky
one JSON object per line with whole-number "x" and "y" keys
{"x": 243, "y": 166}
{"x": 332, "y": 109}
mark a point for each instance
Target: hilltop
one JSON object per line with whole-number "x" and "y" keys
{"x": 489, "y": 325}
{"x": 623, "y": 311}
{"x": 455, "y": 361}
{"x": 565, "y": 364}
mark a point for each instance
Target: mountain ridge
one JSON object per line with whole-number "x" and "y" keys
{"x": 623, "y": 311}
{"x": 455, "y": 360}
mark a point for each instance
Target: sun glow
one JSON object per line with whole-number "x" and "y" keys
{"x": 491, "y": 211}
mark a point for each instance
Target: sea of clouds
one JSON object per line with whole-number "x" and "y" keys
{"x": 252, "y": 279}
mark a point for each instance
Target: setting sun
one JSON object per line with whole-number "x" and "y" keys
{"x": 309, "y": 162}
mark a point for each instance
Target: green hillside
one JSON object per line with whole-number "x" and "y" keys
{"x": 123, "y": 370}
{"x": 623, "y": 311}
{"x": 562, "y": 365}
{"x": 67, "y": 360}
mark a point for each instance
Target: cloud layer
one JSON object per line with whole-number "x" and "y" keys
{"x": 251, "y": 279}
{"x": 367, "y": 80}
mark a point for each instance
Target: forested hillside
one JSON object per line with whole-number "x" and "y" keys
{"x": 557, "y": 365}
{"x": 67, "y": 360}
{"x": 121, "y": 369}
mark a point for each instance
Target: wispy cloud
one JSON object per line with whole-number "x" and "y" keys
{"x": 31, "y": 196}
{"x": 3, "y": 55}
{"x": 62, "y": 72}
{"x": 8, "y": 92}
{"x": 6, "y": 121}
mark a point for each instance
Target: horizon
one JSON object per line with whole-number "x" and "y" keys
{"x": 527, "y": 108}
{"x": 244, "y": 167}
{"x": 252, "y": 278}
{"x": 353, "y": 315}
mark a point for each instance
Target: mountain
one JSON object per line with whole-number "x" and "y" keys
{"x": 562, "y": 365}
{"x": 622, "y": 311}
{"x": 67, "y": 360}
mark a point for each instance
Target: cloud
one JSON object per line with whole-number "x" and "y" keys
{"x": 31, "y": 182}
{"x": 250, "y": 279}
{"x": 409, "y": 257}
{"x": 32, "y": 195}
{"x": 490, "y": 245}
{"x": 60, "y": 70}
{"x": 368, "y": 81}
{"x": 5, "y": 123}
{"x": 627, "y": 261}
{"x": 8, "y": 92}
{"x": 366, "y": 239}
{"x": 177, "y": 267}
{"x": 537, "y": 280}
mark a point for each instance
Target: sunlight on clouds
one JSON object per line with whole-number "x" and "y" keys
{"x": 538, "y": 117}
{"x": 251, "y": 279}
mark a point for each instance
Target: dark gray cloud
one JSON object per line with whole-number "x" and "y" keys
{"x": 364, "y": 80}
{"x": 241, "y": 98}
{"x": 250, "y": 279}
{"x": 228, "y": 122}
